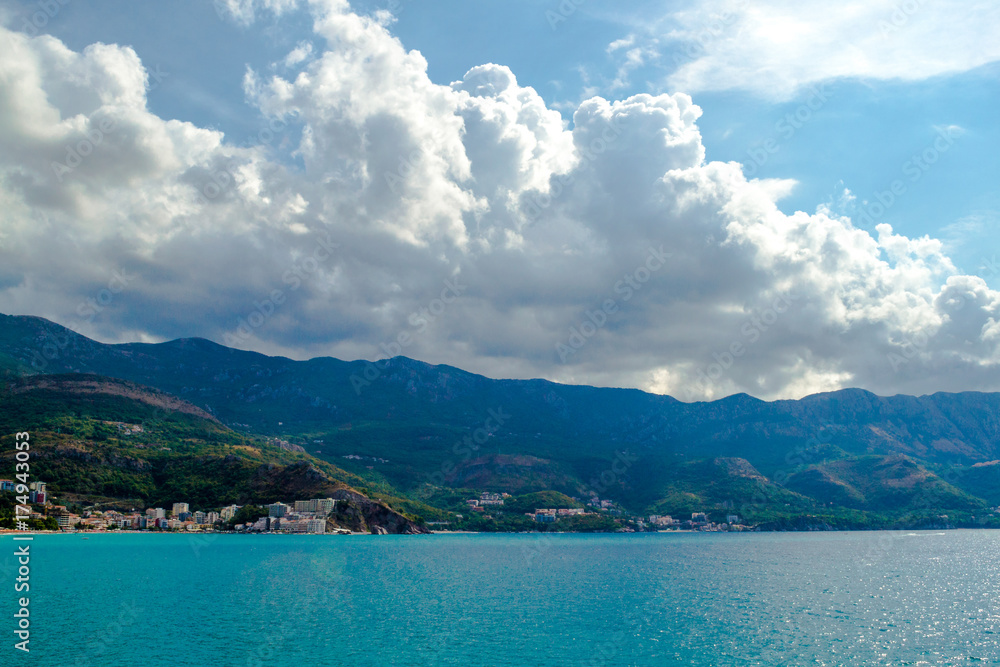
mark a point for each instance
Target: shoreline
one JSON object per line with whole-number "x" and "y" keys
{"x": 87, "y": 534}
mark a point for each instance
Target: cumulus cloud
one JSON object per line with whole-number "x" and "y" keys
{"x": 775, "y": 47}
{"x": 466, "y": 224}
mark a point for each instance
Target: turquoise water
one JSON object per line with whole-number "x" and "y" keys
{"x": 660, "y": 599}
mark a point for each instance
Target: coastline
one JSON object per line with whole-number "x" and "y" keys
{"x": 88, "y": 534}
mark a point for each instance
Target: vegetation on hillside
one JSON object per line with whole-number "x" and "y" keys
{"x": 118, "y": 444}
{"x": 423, "y": 439}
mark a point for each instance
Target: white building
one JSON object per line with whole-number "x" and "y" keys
{"x": 305, "y": 505}
{"x": 316, "y": 506}
{"x": 228, "y": 513}
{"x": 303, "y": 526}
{"x": 180, "y": 508}
{"x": 296, "y": 526}
{"x": 487, "y": 498}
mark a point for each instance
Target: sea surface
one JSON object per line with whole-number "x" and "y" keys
{"x": 890, "y": 598}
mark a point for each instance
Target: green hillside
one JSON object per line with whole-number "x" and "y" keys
{"x": 96, "y": 439}
{"x": 881, "y": 483}
{"x": 430, "y": 437}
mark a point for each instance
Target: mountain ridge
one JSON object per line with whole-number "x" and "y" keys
{"x": 407, "y": 424}
{"x": 189, "y": 341}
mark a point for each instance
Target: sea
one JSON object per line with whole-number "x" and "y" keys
{"x": 836, "y": 598}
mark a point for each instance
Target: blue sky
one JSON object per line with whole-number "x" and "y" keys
{"x": 848, "y": 104}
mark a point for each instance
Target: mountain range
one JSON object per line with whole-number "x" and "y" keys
{"x": 432, "y": 435}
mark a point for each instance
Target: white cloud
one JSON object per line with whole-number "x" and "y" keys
{"x": 634, "y": 59}
{"x": 775, "y": 47}
{"x": 475, "y": 187}
{"x": 246, "y": 12}
{"x": 623, "y": 43}
{"x": 299, "y": 54}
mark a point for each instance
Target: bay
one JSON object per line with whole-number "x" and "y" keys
{"x": 878, "y": 598}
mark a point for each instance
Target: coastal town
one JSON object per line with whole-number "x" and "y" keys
{"x": 699, "y": 521}
{"x": 312, "y": 516}
{"x": 300, "y": 516}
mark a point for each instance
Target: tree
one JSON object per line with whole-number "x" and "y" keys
{"x": 247, "y": 514}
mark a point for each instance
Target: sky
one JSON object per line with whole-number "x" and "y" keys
{"x": 690, "y": 198}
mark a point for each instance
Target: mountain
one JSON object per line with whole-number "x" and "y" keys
{"x": 437, "y": 433}
{"x": 103, "y": 440}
